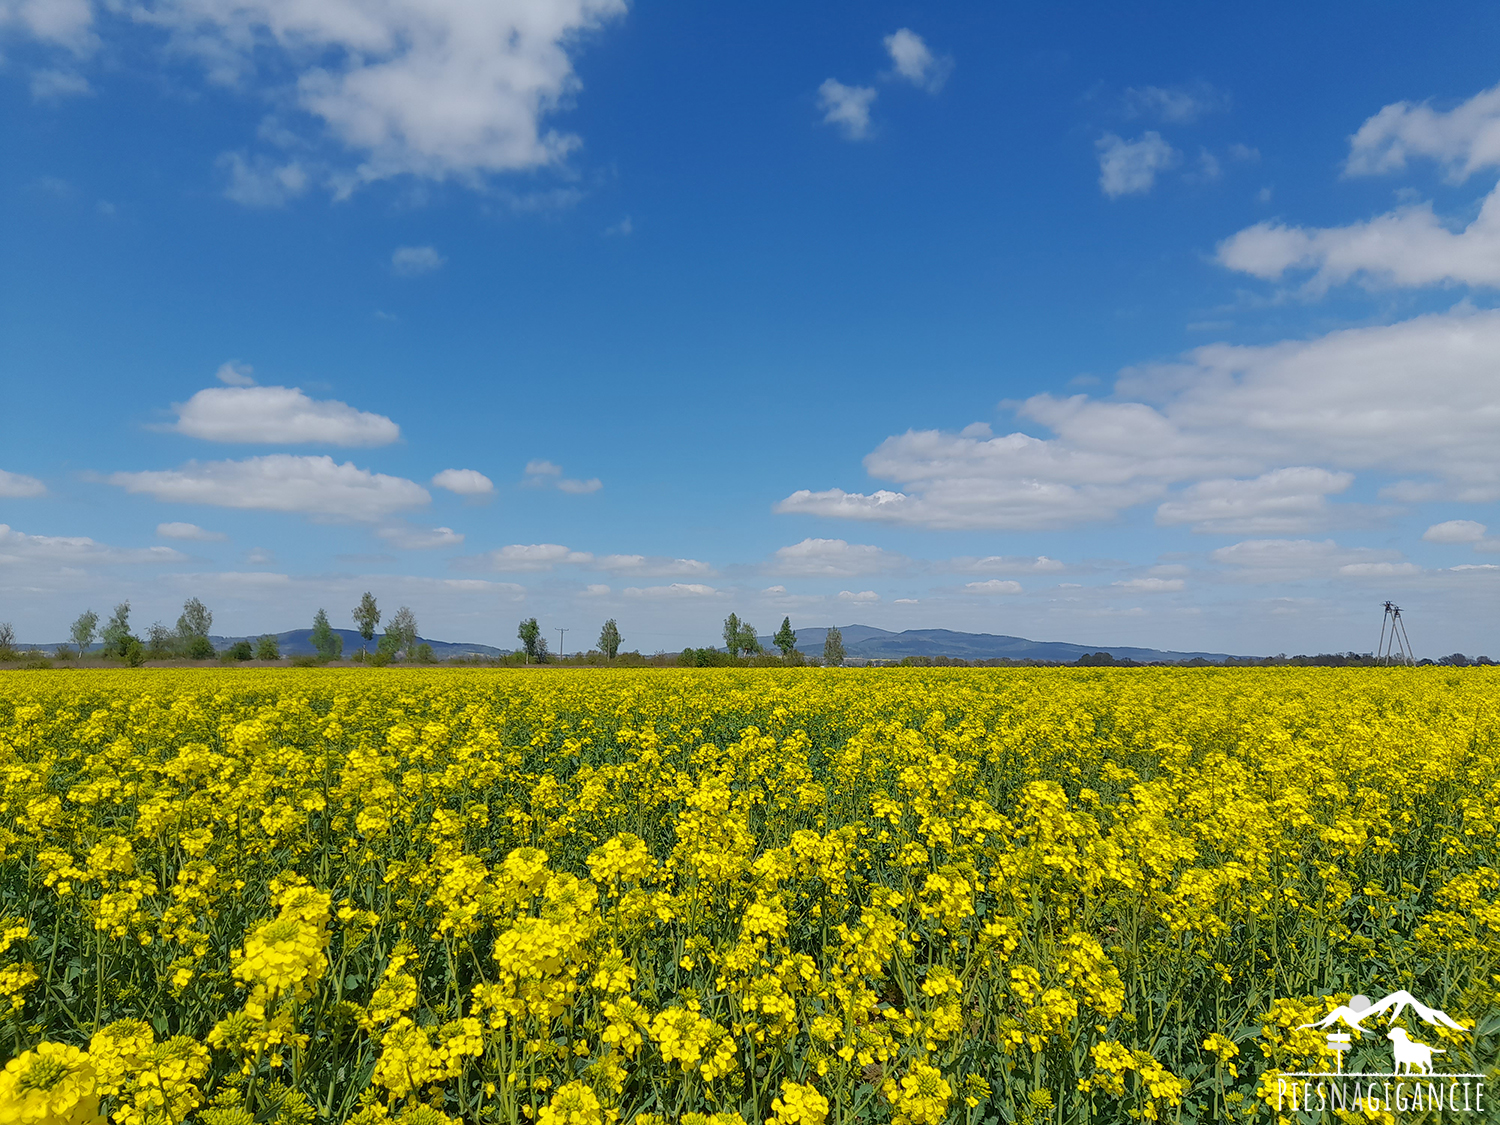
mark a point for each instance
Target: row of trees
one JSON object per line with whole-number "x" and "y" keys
{"x": 740, "y": 639}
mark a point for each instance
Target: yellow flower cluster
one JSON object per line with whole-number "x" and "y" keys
{"x": 729, "y": 897}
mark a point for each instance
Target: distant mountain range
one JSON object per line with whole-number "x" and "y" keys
{"x": 864, "y": 642}
{"x": 861, "y": 642}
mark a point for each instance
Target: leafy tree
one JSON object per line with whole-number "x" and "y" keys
{"x": 423, "y": 654}
{"x": 192, "y": 630}
{"x": 161, "y": 642}
{"x": 733, "y": 634}
{"x": 609, "y": 639}
{"x": 241, "y": 650}
{"x": 367, "y": 616}
{"x": 84, "y": 629}
{"x": 833, "y": 648}
{"x": 785, "y": 639}
{"x": 403, "y": 627}
{"x": 749, "y": 642}
{"x": 7, "y": 641}
{"x": 530, "y": 636}
{"x": 542, "y": 652}
{"x": 329, "y": 645}
{"x": 116, "y": 631}
{"x": 268, "y": 648}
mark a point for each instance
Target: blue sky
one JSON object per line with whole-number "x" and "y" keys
{"x": 1167, "y": 326}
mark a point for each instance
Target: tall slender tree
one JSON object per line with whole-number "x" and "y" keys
{"x": 833, "y": 648}
{"x": 733, "y": 634}
{"x": 367, "y": 617}
{"x": 192, "y": 630}
{"x": 609, "y": 639}
{"x": 328, "y": 644}
{"x": 404, "y": 627}
{"x": 84, "y": 629}
{"x": 785, "y": 639}
{"x": 116, "y": 632}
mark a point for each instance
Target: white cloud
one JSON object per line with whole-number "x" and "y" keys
{"x": 441, "y": 89}
{"x": 259, "y": 181}
{"x": 190, "y": 532}
{"x": 420, "y": 539}
{"x": 1464, "y": 139}
{"x": 1409, "y": 246}
{"x": 993, "y": 586}
{"x": 1151, "y": 585}
{"x": 465, "y": 482}
{"x": 623, "y": 229}
{"x": 547, "y": 474}
{"x": 232, "y": 373}
{"x": 410, "y": 261}
{"x": 595, "y": 590}
{"x": 1416, "y": 397}
{"x": 652, "y": 566}
{"x": 915, "y": 62}
{"x": 1282, "y": 501}
{"x": 1130, "y": 167}
{"x": 1285, "y": 560}
{"x": 863, "y": 597}
{"x": 315, "y": 486}
{"x": 1006, "y": 564}
{"x": 675, "y": 590}
{"x": 1455, "y": 531}
{"x": 259, "y": 556}
{"x": 62, "y": 550}
{"x": 279, "y": 416}
{"x": 1180, "y": 105}
{"x": 907, "y": 601}
{"x": 18, "y": 486}
{"x": 54, "y": 85}
{"x": 848, "y": 107}
{"x": 65, "y": 23}
{"x": 833, "y": 558}
{"x": 534, "y": 556}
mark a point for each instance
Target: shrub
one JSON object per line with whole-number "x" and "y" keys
{"x": 305, "y": 662}
{"x": 268, "y": 648}
{"x": 240, "y": 650}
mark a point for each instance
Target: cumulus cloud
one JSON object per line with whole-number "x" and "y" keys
{"x": 595, "y": 590}
{"x": 19, "y": 486}
{"x": 1006, "y": 564}
{"x": 1284, "y": 560}
{"x": 1179, "y": 105}
{"x": 62, "y": 550}
{"x": 548, "y": 474}
{"x": 862, "y": 597}
{"x": 465, "y": 482}
{"x": 915, "y": 62}
{"x": 280, "y": 482}
{"x": 1130, "y": 167}
{"x": 420, "y": 539}
{"x": 1150, "y": 585}
{"x": 279, "y": 416}
{"x": 1464, "y": 139}
{"x": 847, "y": 107}
{"x": 410, "y": 261}
{"x": 190, "y": 532}
{"x": 1455, "y": 531}
{"x": 1409, "y": 246}
{"x": 1417, "y": 397}
{"x": 534, "y": 556}
{"x": 833, "y": 558}
{"x": 441, "y": 89}
{"x": 1459, "y": 532}
{"x": 655, "y": 566}
{"x": 232, "y": 373}
{"x": 993, "y": 586}
{"x": 675, "y": 590}
{"x": 1283, "y": 501}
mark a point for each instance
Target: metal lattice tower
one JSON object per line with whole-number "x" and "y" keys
{"x": 1394, "y": 646}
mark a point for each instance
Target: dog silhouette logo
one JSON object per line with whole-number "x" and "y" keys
{"x": 1411, "y": 1054}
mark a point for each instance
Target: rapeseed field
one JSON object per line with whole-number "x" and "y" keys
{"x": 792, "y": 897}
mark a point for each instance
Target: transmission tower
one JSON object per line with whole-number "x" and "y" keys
{"x": 1394, "y": 647}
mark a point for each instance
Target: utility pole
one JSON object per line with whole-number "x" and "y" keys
{"x": 560, "y": 653}
{"x": 1394, "y": 645}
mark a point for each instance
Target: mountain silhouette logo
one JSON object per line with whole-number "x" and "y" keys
{"x": 1360, "y": 1009}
